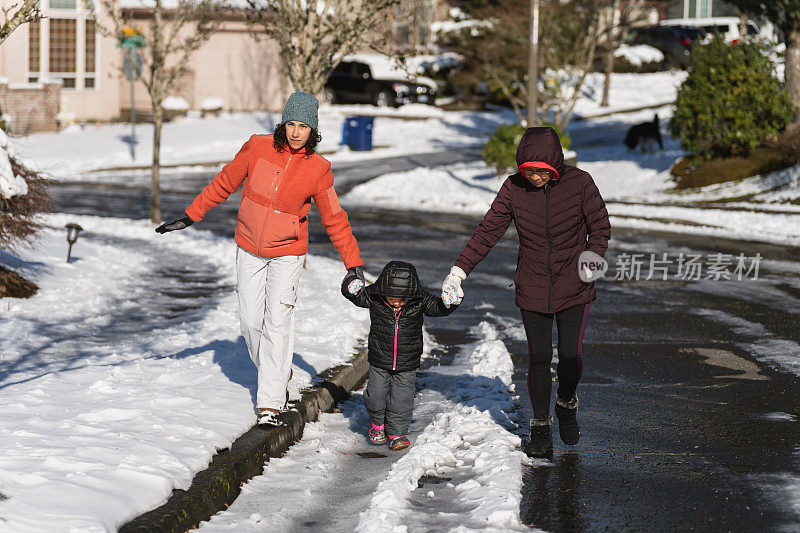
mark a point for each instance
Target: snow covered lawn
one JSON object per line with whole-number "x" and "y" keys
{"x": 74, "y": 152}
{"x": 628, "y": 91}
{"x": 635, "y": 190}
{"x": 463, "y": 471}
{"x": 122, "y": 377}
{"x": 416, "y": 128}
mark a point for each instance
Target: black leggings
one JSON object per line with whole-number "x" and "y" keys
{"x": 571, "y": 323}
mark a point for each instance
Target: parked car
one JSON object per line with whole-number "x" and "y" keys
{"x": 675, "y": 42}
{"x": 728, "y": 27}
{"x": 354, "y": 82}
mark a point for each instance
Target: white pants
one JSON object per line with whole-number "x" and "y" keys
{"x": 267, "y": 293}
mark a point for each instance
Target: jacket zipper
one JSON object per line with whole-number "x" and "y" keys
{"x": 278, "y": 182}
{"x": 275, "y": 192}
{"x": 396, "y": 327}
{"x": 547, "y": 225}
{"x": 397, "y": 313}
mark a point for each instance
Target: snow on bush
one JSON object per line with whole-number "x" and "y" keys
{"x": 211, "y": 104}
{"x": 11, "y": 185}
{"x": 175, "y": 103}
{"x": 639, "y": 54}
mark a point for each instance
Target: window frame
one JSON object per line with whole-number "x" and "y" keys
{"x": 81, "y": 15}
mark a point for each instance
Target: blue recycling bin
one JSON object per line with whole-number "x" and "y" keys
{"x": 357, "y": 133}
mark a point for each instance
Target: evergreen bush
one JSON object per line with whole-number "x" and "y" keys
{"x": 731, "y": 102}
{"x": 500, "y": 152}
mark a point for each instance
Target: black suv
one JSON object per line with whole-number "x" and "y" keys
{"x": 675, "y": 42}
{"x": 352, "y": 82}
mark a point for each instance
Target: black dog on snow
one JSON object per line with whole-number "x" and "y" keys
{"x": 644, "y": 135}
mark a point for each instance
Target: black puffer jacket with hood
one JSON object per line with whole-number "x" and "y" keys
{"x": 395, "y": 335}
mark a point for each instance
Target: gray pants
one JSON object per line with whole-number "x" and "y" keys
{"x": 390, "y": 399}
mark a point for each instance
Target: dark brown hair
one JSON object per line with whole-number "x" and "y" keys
{"x": 282, "y": 143}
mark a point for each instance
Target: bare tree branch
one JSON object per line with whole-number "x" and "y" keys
{"x": 313, "y": 35}
{"x": 29, "y": 12}
{"x": 171, "y": 37}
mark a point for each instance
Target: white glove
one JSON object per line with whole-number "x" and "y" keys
{"x": 452, "y": 293}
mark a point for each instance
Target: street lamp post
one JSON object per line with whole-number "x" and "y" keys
{"x": 533, "y": 65}
{"x": 72, "y": 235}
{"x": 130, "y": 41}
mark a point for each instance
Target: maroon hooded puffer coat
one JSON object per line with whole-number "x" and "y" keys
{"x": 555, "y": 223}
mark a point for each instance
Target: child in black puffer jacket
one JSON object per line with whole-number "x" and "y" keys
{"x": 397, "y": 303}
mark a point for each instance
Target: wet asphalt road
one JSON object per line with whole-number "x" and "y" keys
{"x": 684, "y": 424}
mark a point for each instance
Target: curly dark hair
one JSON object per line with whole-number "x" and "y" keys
{"x": 282, "y": 143}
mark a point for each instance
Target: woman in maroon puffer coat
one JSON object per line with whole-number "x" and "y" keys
{"x": 559, "y": 214}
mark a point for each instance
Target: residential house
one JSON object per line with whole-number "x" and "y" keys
{"x": 681, "y": 9}
{"x": 66, "y": 47}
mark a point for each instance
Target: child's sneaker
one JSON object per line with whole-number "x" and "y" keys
{"x": 398, "y": 442}
{"x": 377, "y": 434}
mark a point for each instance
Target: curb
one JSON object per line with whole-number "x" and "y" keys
{"x": 215, "y": 488}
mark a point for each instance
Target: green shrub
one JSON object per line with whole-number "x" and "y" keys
{"x": 731, "y": 102}
{"x": 500, "y": 152}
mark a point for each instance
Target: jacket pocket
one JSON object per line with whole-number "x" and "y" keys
{"x": 251, "y": 218}
{"x": 280, "y": 229}
{"x": 264, "y": 177}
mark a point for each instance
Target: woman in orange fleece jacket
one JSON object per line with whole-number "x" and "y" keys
{"x": 281, "y": 173}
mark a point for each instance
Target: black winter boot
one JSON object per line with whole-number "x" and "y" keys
{"x": 568, "y": 420}
{"x": 540, "y": 443}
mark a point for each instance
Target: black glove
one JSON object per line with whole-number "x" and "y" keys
{"x": 358, "y": 272}
{"x": 355, "y": 274}
{"x": 178, "y": 223}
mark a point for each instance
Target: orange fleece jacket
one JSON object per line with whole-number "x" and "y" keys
{"x": 276, "y": 200}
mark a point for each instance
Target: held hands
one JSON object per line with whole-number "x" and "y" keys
{"x": 452, "y": 293}
{"x": 355, "y": 279}
{"x": 178, "y": 223}
{"x": 354, "y": 286}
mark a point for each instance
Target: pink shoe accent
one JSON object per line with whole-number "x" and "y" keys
{"x": 392, "y": 436}
{"x": 377, "y": 427}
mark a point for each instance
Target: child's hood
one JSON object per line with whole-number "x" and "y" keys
{"x": 399, "y": 280}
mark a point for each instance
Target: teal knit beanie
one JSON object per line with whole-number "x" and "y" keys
{"x": 302, "y": 107}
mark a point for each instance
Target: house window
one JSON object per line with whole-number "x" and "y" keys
{"x": 63, "y": 49}
{"x": 64, "y": 46}
{"x": 63, "y": 4}
{"x": 697, "y": 8}
{"x": 34, "y": 44}
{"x": 90, "y": 40}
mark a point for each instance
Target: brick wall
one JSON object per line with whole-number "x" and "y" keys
{"x": 30, "y": 107}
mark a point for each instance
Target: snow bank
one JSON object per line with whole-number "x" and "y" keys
{"x": 468, "y": 436}
{"x": 114, "y": 391}
{"x": 459, "y": 188}
{"x": 469, "y": 188}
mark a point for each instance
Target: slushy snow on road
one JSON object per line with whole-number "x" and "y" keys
{"x": 463, "y": 470}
